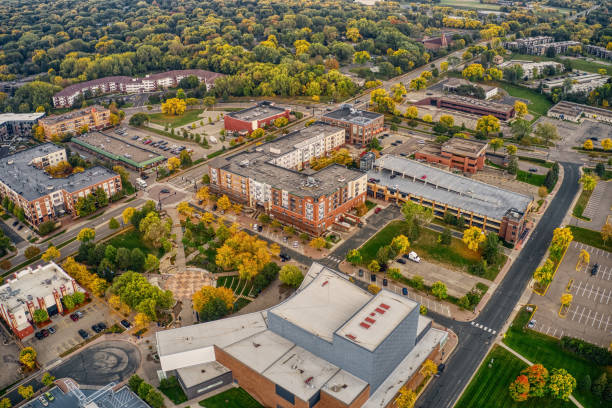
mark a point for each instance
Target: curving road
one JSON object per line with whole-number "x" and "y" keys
{"x": 474, "y": 342}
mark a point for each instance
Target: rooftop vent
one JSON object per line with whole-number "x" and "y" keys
{"x": 364, "y": 325}
{"x": 385, "y": 306}
{"x": 350, "y": 336}
{"x": 379, "y": 310}
{"x": 338, "y": 387}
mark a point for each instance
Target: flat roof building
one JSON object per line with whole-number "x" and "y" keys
{"x": 470, "y": 105}
{"x": 456, "y": 153}
{"x": 361, "y": 126}
{"x": 576, "y": 112}
{"x": 94, "y": 117}
{"x": 452, "y": 85}
{"x": 268, "y": 177}
{"x": 247, "y": 120}
{"x": 119, "y": 151}
{"x": 18, "y": 124}
{"x": 581, "y": 82}
{"x": 533, "y": 69}
{"x": 331, "y": 344}
{"x": 25, "y": 182}
{"x": 482, "y": 205}
{"x": 33, "y": 288}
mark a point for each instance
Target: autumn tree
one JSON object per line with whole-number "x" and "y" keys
{"x": 447, "y": 120}
{"x": 400, "y": 244}
{"x": 520, "y": 108}
{"x": 406, "y": 398}
{"x": 537, "y": 376}
{"x": 429, "y": 368}
{"x": 588, "y": 182}
{"x": 606, "y": 144}
{"x": 472, "y": 237}
{"x": 184, "y": 208}
{"x": 203, "y": 194}
{"x": 496, "y": 143}
{"x": 583, "y": 259}
{"x": 417, "y": 84}
{"x": 206, "y": 294}
{"x": 519, "y": 389}
{"x": 412, "y": 112}
{"x": 51, "y": 254}
{"x": 141, "y": 321}
{"x": 562, "y": 237}
{"x": 243, "y": 252}
{"x": 31, "y": 251}
{"x": 354, "y": 257}
{"x": 511, "y": 149}
{"x": 291, "y": 275}
{"x": 26, "y": 392}
{"x": 439, "y": 290}
{"x": 374, "y": 266}
{"x": 361, "y": 57}
{"x": 173, "y": 163}
{"x": 561, "y": 384}
{"x": 398, "y": 91}
{"x": 544, "y": 273}
{"x": 127, "y": 215}
{"x": 606, "y": 232}
{"x": 5, "y": 403}
{"x": 86, "y": 235}
{"x": 487, "y": 124}
{"x": 173, "y": 107}
{"x": 588, "y": 144}
{"x": 566, "y": 299}
{"x": 27, "y": 357}
{"x": 47, "y": 379}
{"x": 473, "y": 72}
{"x": 318, "y": 243}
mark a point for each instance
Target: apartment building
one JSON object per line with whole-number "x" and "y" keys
{"x": 18, "y": 124}
{"x": 129, "y": 85}
{"x": 525, "y": 45}
{"x": 35, "y": 287}
{"x": 533, "y": 69}
{"x": 481, "y": 205}
{"x": 95, "y": 117}
{"x": 25, "y": 182}
{"x": 361, "y": 126}
{"x": 461, "y": 154}
{"x": 331, "y": 344}
{"x": 470, "y": 105}
{"x": 247, "y": 120}
{"x": 268, "y": 177}
{"x": 599, "y": 52}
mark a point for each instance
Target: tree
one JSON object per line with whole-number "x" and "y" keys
{"x": 26, "y": 392}
{"x": 544, "y": 273}
{"x": 134, "y": 382}
{"x": 606, "y": 232}
{"x": 185, "y": 158}
{"x": 583, "y": 259}
{"x": 173, "y": 163}
{"x": 588, "y": 144}
{"x": 141, "y": 320}
{"x": 439, "y": 290}
{"x": 490, "y": 248}
{"x": 86, "y": 235}
{"x": 447, "y": 120}
{"x": 584, "y": 384}
{"x": 46, "y": 227}
{"x": 417, "y": 84}
{"x": 444, "y": 66}
{"x": 487, "y": 124}
{"x": 40, "y": 315}
{"x": 137, "y": 259}
{"x": 496, "y": 143}
{"x": 400, "y": 244}
{"x": 5, "y": 403}
{"x": 398, "y": 91}
{"x": 123, "y": 258}
{"x": 113, "y": 223}
{"x": 354, "y": 257}
{"x": 374, "y": 266}
{"x": 203, "y": 194}
{"x": 606, "y": 144}
{"x": 599, "y": 384}
{"x": 416, "y": 217}
{"x": 215, "y": 309}
{"x": 184, "y": 208}
{"x": 27, "y": 357}
{"x": 406, "y": 398}
{"x": 127, "y": 215}
{"x": 174, "y": 107}
{"x": 207, "y": 294}
{"x": 429, "y": 368}
{"x": 566, "y": 299}
{"x": 542, "y": 191}
{"x": 361, "y": 57}
{"x": 511, "y": 149}
{"x": 139, "y": 119}
{"x": 519, "y": 388}
{"x": 151, "y": 263}
{"x": 588, "y": 182}
{"x": 412, "y": 112}
{"x": 31, "y": 251}
{"x": 473, "y": 72}
{"x": 472, "y": 237}
{"x": 291, "y": 275}
{"x": 546, "y": 131}
{"x": 373, "y": 289}
{"x": 318, "y": 243}
{"x": 51, "y": 254}
{"x": 47, "y": 379}
{"x": 224, "y": 203}
{"x": 520, "y": 108}
{"x": 537, "y": 375}
{"x": 561, "y": 384}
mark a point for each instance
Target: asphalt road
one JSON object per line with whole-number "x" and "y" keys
{"x": 474, "y": 342}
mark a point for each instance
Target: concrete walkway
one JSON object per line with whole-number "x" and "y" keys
{"x": 574, "y": 400}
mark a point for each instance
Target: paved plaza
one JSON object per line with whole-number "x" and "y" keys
{"x": 184, "y": 284}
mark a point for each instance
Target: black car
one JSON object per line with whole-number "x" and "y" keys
{"x": 126, "y": 324}
{"x": 594, "y": 269}
{"x": 441, "y": 368}
{"x": 385, "y": 282}
{"x": 39, "y": 335}
{"x": 20, "y": 227}
{"x": 83, "y": 334}
{"x": 15, "y": 223}
{"x": 401, "y": 261}
{"x": 165, "y": 191}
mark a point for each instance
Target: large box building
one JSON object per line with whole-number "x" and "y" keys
{"x": 470, "y": 105}
{"x": 95, "y": 117}
{"x": 267, "y": 177}
{"x": 332, "y": 344}
{"x": 361, "y": 126}
{"x": 25, "y": 182}
{"x": 40, "y": 287}
{"x": 247, "y": 120}
{"x": 18, "y": 124}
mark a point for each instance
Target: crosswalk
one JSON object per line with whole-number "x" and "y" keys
{"x": 334, "y": 259}
{"x": 484, "y": 328}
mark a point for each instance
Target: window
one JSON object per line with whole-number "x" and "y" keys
{"x": 286, "y": 395}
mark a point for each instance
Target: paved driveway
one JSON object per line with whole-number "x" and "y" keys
{"x": 599, "y": 207}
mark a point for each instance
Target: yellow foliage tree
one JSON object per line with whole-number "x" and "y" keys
{"x": 398, "y": 91}
{"x": 406, "y": 398}
{"x": 444, "y": 66}
{"x": 184, "y": 208}
{"x": 141, "y": 320}
{"x": 173, "y": 163}
{"x": 427, "y": 118}
{"x": 27, "y": 357}
{"x": 473, "y": 72}
{"x": 243, "y": 252}
{"x": 86, "y": 234}
{"x": 207, "y": 218}
{"x": 487, "y": 124}
{"x": 566, "y": 299}
{"x": 447, "y": 120}
{"x": 429, "y": 368}
{"x": 606, "y": 232}
{"x": 588, "y": 182}
{"x": 400, "y": 244}
{"x": 51, "y": 254}
{"x": 520, "y": 108}
{"x": 318, "y": 243}
{"x": 203, "y": 194}
{"x": 174, "y": 106}
{"x": 224, "y": 203}
{"x": 127, "y": 215}
{"x": 583, "y": 259}
{"x": 237, "y": 208}
{"x": 418, "y": 83}
{"x": 412, "y": 112}
{"x": 588, "y": 144}
{"x": 606, "y": 144}
{"x": 472, "y": 237}
{"x": 208, "y": 293}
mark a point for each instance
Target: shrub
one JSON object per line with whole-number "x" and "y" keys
{"x": 46, "y": 227}
{"x": 588, "y": 351}
{"x": 31, "y": 252}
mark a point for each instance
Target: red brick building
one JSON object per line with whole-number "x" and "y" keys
{"x": 465, "y": 155}
{"x": 470, "y": 105}
{"x": 361, "y": 126}
{"x": 247, "y": 120}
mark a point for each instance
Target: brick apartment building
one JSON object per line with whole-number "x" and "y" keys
{"x": 361, "y": 126}
{"x": 18, "y": 124}
{"x": 465, "y": 155}
{"x": 128, "y": 85}
{"x": 481, "y": 205}
{"x": 267, "y": 177}
{"x": 95, "y": 117}
{"x": 25, "y": 182}
{"x": 40, "y": 287}
{"x": 470, "y": 105}
{"x": 247, "y": 120}
{"x": 329, "y": 345}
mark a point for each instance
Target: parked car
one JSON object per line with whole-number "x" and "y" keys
{"x": 39, "y": 335}
{"x": 414, "y": 257}
{"x": 43, "y": 401}
{"x": 360, "y": 273}
{"x": 79, "y": 313}
{"x": 52, "y": 330}
{"x": 255, "y": 228}
{"x": 441, "y": 368}
{"x": 595, "y": 269}
{"x": 83, "y": 334}
{"x": 96, "y": 328}
{"x": 405, "y": 291}
{"x": 295, "y": 244}
{"x": 165, "y": 191}
{"x": 373, "y": 278}
{"x": 45, "y": 332}
{"x": 385, "y": 282}
{"x": 49, "y": 396}
{"x": 126, "y": 324}
{"x": 74, "y": 317}
{"x": 531, "y": 324}
{"x": 20, "y": 227}
{"x": 401, "y": 261}
{"x": 15, "y": 223}
{"x": 533, "y": 170}
{"x": 377, "y": 210}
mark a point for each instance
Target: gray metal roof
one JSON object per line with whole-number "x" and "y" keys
{"x": 348, "y": 113}
{"x": 444, "y": 187}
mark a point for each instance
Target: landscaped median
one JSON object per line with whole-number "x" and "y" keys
{"x": 545, "y": 273}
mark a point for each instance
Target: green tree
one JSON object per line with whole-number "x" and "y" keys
{"x": 599, "y": 385}
{"x": 354, "y": 257}
{"x": 123, "y": 258}
{"x": 47, "y": 379}
{"x": 439, "y": 290}
{"x": 416, "y": 217}
{"x": 113, "y": 223}
{"x": 137, "y": 259}
{"x": 291, "y": 275}
{"x": 214, "y": 309}
{"x": 561, "y": 384}
{"x": 151, "y": 263}
{"x": 31, "y": 251}
{"x": 134, "y": 382}
{"x": 40, "y": 315}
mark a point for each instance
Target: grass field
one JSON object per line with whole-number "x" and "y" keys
{"x": 233, "y": 398}
{"x": 530, "y": 178}
{"x": 176, "y": 121}
{"x": 175, "y": 393}
{"x": 580, "y": 64}
{"x": 539, "y": 348}
{"x": 491, "y": 382}
{"x": 539, "y": 103}
{"x": 581, "y": 204}
{"x": 469, "y": 4}
{"x": 590, "y": 237}
{"x": 130, "y": 240}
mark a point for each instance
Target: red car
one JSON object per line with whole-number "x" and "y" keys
{"x": 377, "y": 210}
{"x": 74, "y": 317}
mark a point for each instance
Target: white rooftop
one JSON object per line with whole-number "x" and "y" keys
{"x": 376, "y": 320}
{"x": 197, "y": 374}
{"x": 301, "y": 372}
{"x": 260, "y": 351}
{"x": 345, "y": 387}
{"x": 323, "y": 305}
{"x": 20, "y": 117}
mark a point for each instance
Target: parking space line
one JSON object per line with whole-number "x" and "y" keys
{"x": 595, "y": 318}
{"x": 607, "y": 323}
{"x": 581, "y": 315}
{"x": 584, "y": 289}
{"x": 555, "y": 333}
{"x": 588, "y": 317}
{"x": 579, "y": 286}
{"x": 575, "y": 310}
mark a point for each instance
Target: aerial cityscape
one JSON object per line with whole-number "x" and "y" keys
{"x": 306, "y": 204}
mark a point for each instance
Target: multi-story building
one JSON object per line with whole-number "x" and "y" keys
{"x": 470, "y": 105}
{"x": 465, "y": 155}
{"x": 576, "y": 112}
{"x": 18, "y": 124}
{"x": 599, "y": 52}
{"x": 361, "y": 126}
{"x": 94, "y": 117}
{"x": 40, "y": 287}
{"x": 453, "y": 85}
{"x": 247, "y": 120}
{"x": 330, "y": 345}
{"x": 267, "y": 177}
{"x": 532, "y": 69}
{"x": 25, "y": 182}
{"x": 581, "y": 82}
{"x": 481, "y": 205}
{"x": 435, "y": 43}
{"x": 525, "y": 45}
{"x": 128, "y": 85}
{"x": 559, "y": 47}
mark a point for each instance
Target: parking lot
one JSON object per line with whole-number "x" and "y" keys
{"x": 589, "y": 316}
{"x": 67, "y": 336}
{"x": 599, "y": 207}
{"x": 400, "y": 144}
{"x": 9, "y": 358}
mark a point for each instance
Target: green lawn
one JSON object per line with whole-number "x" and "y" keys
{"x": 240, "y": 303}
{"x": 539, "y": 348}
{"x": 489, "y": 387}
{"x": 370, "y": 205}
{"x": 530, "y": 178}
{"x": 175, "y": 393}
{"x": 476, "y": 5}
{"x": 233, "y": 398}
{"x": 581, "y": 204}
{"x": 590, "y": 237}
{"x": 176, "y": 121}
{"x": 130, "y": 240}
{"x": 580, "y": 64}
{"x": 539, "y": 103}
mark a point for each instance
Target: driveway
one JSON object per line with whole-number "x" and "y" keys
{"x": 599, "y": 207}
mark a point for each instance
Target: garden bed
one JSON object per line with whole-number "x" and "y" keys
{"x": 581, "y": 204}
{"x": 232, "y": 398}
